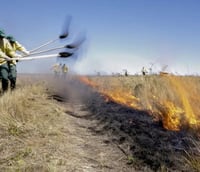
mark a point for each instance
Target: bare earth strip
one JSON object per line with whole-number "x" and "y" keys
{"x": 87, "y": 151}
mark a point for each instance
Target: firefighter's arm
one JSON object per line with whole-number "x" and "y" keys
{"x": 3, "y": 55}
{"x": 19, "y": 47}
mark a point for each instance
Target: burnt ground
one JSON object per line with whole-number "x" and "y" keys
{"x": 133, "y": 140}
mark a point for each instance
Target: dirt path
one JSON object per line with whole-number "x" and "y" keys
{"x": 89, "y": 152}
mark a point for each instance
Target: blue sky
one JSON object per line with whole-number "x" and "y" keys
{"x": 121, "y": 34}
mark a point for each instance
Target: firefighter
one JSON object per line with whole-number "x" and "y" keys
{"x": 144, "y": 71}
{"x": 64, "y": 70}
{"x": 56, "y": 69}
{"x": 16, "y": 46}
{"x": 6, "y": 52}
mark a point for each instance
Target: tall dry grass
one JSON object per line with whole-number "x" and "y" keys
{"x": 175, "y": 97}
{"x": 30, "y": 130}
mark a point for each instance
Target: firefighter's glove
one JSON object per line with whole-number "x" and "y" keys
{"x": 26, "y": 52}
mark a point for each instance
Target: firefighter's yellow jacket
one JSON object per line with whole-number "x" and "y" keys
{"x": 6, "y": 50}
{"x": 64, "y": 69}
{"x": 16, "y": 46}
{"x": 56, "y": 68}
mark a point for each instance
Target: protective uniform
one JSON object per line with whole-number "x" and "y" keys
{"x": 6, "y": 51}
{"x": 144, "y": 71}
{"x": 64, "y": 70}
{"x": 56, "y": 69}
{"x": 16, "y": 46}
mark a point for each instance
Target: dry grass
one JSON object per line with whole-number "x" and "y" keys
{"x": 37, "y": 135}
{"x": 192, "y": 156}
{"x": 30, "y": 130}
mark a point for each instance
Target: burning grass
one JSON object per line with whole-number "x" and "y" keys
{"x": 157, "y": 115}
{"x": 171, "y": 99}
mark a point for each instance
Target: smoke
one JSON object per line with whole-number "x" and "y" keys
{"x": 36, "y": 66}
{"x": 110, "y": 63}
{"x": 69, "y": 89}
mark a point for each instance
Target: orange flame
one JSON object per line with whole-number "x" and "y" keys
{"x": 180, "y": 88}
{"x": 127, "y": 99}
{"x": 172, "y": 116}
{"x": 116, "y": 94}
{"x": 86, "y": 80}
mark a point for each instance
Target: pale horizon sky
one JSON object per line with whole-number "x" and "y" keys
{"x": 121, "y": 35}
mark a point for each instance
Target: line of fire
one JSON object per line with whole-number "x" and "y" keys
{"x": 177, "y": 109}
